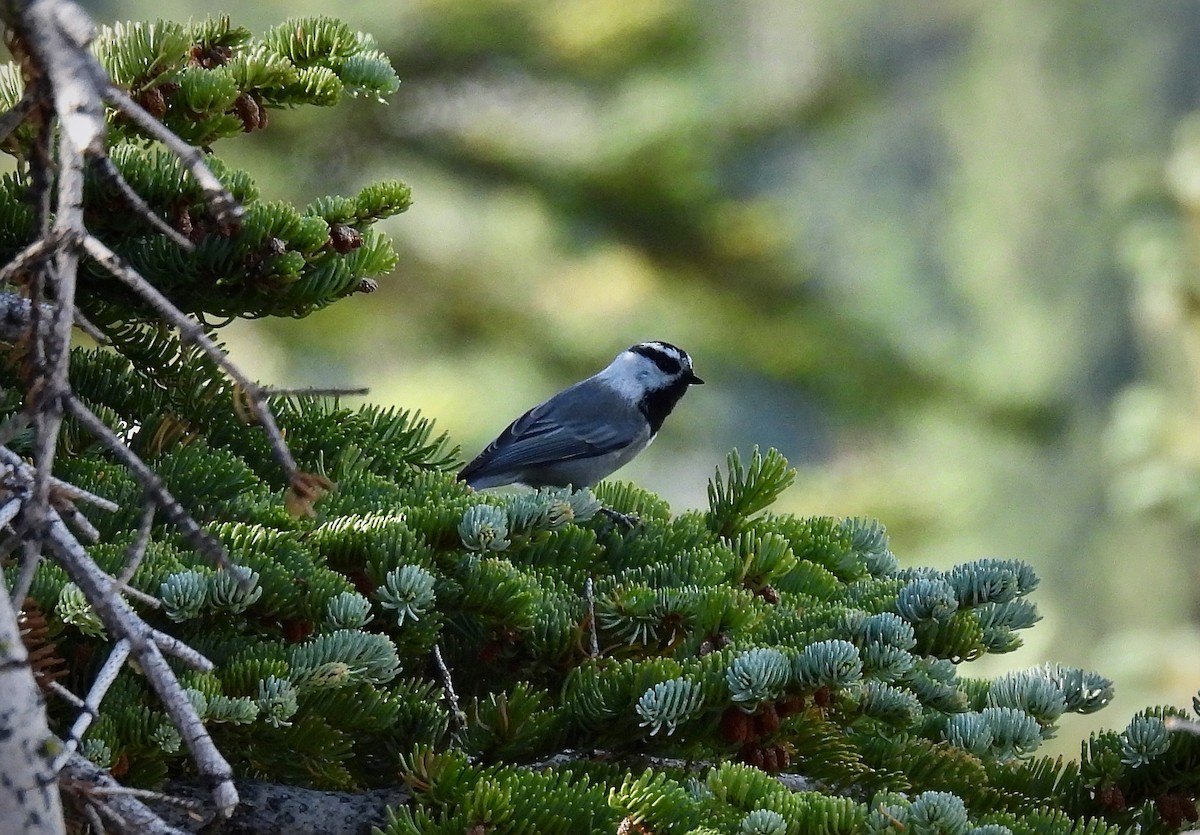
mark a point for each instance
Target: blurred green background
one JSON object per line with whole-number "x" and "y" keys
{"x": 943, "y": 255}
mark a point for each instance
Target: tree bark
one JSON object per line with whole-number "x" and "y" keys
{"x": 29, "y": 800}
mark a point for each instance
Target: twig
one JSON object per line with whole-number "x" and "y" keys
{"x": 15, "y": 315}
{"x": 589, "y": 593}
{"x": 17, "y": 482}
{"x": 31, "y": 558}
{"x": 459, "y": 718}
{"x": 26, "y": 260}
{"x": 312, "y": 391}
{"x": 84, "y": 778}
{"x": 139, "y": 595}
{"x": 65, "y": 694}
{"x": 12, "y": 426}
{"x": 110, "y": 175}
{"x": 71, "y": 515}
{"x": 1178, "y": 723}
{"x": 191, "y": 331}
{"x": 17, "y": 114}
{"x": 9, "y": 544}
{"x": 9, "y": 511}
{"x": 177, "y": 648}
{"x": 137, "y": 549}
{"x": 85, "y": 325}
{"x": 91, "y": 704}
{"x": 75, "y": 493}
{"x": 145, "y": 794}
{"x": 92, "y": 812}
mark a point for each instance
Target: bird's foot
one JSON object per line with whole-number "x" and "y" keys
{"x": 625, "y": 521}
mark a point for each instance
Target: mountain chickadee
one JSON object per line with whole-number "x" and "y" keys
{"x": 589, "y": 430}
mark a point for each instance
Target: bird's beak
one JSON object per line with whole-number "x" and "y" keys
{"x": 693, "y": 380}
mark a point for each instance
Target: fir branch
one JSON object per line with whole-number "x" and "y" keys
{"x": 153, "y": 486}
{"x": 746, "y": 490}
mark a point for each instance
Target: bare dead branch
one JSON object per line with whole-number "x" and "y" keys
{"x": 9, "y": 511}
{"x": 30, "y": 803}
{"x": 310, "y": 391}
{"x": 75, "y": 493}
{"x": 177, "y": 648}
{"x": 1178, "y": 723}
{"x": 191, "y": 331}
{"x": 121, "y": 622}
{"x": 90, "y": 708}
{"x": 31, "y": 557}
{"x": 95, "y": 823}
{"x": 15, "y": 314}
{"x": 92, "y": 785}
{"x": 65, "y": 694}
{"x": 53, "y": 333}
{"x": 31, "y": 554}
{"x": 589, "y": 593}
{"x": 83, "y": 528}
{"x": 57, "y": 35}
{"x": 227, "y": 209}
{"x": 85, "y": 325}
{"x": 137, "y": 549}
{"x": 12, "y": 426}
{"x": 19, "y": 112}
{"x": 457, "y": 716}
{"x": 111, "y": 176}
{"x": 139, "y": 596}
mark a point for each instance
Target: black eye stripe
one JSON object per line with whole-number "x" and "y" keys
{"x": 657, "y": 353}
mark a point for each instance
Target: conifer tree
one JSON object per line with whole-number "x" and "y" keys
{"x": 341, "y": 614}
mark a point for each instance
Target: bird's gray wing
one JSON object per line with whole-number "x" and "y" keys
{"x": 554, "y": 432}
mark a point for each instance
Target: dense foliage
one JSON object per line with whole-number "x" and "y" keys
{"x": 653, "y": 678}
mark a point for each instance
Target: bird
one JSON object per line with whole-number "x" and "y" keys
{"x": 591, "y": 429}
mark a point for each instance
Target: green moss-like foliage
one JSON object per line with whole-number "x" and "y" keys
{"x": 654, "y": 678}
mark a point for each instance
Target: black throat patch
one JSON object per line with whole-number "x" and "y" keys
{"x": 658, "y": 403}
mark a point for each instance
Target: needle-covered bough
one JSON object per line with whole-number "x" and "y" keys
{"x": 63, "y": 119}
